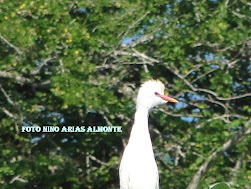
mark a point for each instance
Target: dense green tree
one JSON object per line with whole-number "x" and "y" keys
{"x": 81, "y": 63}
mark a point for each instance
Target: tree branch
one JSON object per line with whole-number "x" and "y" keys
{"x": 8, "y": 113}
{"x": 179, "y": 115}
{"x": 97, "y": 160}
{"x": 237, "y": 167}
{"x": 146, "y": 59}
{"x": 17, "y": 178}
{"x": 222, "y": 117}
{"x": 15, "y": 76}
{"x": 203, "y": 75}
{"x": 142, "y": 39}
{"x": 38, "y": 69}
{"x": 11, "y": 45}
{"x": 133, "y": 24}
{"x": 176, "y": 72}
{"x": 208, "y": 163}
{"x": 6, "y": 95}
{"x": 234, "y": 97}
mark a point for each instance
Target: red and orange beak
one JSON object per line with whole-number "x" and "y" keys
{"x": 167, "y": 98}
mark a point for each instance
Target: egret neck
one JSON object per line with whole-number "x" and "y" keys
{"x": 140, "y": 127}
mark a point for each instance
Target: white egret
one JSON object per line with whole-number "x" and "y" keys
{"x": 138, "y": 169}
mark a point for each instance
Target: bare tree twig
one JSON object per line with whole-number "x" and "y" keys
{"x": 134, "y": 63}
{"x": 87, "y": 161}
{"x": 11, "y": 45}
{"x": 38, "y": 69}
{"x": 143, "y": 57}
{"x": 222, "y": 117}
{"x": 15, "y": 76}
{"x": 140, "y": 40}
{"x": 17, "y": 178}
{"x": 19, "y": 119}
{"x": 208, "y": 163}
{"x": 217, "y": 45}
{"x": 237, "y": 167}
{"x": 54, "y": 143}
{"x": 133, "y": 24}
{"x": 97, "y": 160}
{"x": 24, "y": 80}
{"x": 143, "y": 38}
{"x": 179, "y": 115}
{"x": 232, "y": 63}
{"x": 210, "y": 99}
{"x": 13, "y": 116}
{"x": 234, "y": 97}
{"x": 239, "y": 15}
{"x": 106, "y": 119}
{"x": 178, "y": 154}
{"x": 176, "y": 72}
{"x": 6, "y": 95}
{"x": 203, "y": 75}
{"x": 8, "y": 113}
{"x": 192, "y": 70}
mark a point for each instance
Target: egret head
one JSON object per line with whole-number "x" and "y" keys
{"x": 151, "y": 93}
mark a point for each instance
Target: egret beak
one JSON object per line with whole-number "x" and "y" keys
{"x": 167, "y": 98}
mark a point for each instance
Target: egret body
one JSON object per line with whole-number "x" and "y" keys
{"x": 138, "y": 169}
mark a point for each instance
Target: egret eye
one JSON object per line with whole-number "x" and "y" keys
{"x": 157, "y": 94}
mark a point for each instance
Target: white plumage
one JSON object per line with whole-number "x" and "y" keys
{"x": 138, "y": 169}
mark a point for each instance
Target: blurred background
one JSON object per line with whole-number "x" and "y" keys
{"x": 82, "y": 62}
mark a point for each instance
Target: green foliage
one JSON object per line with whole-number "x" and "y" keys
{"x": 220, "y": 186}
{"x": 81, "y": 63}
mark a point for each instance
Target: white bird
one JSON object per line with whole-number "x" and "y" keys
{"x": 138, "y": 169}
